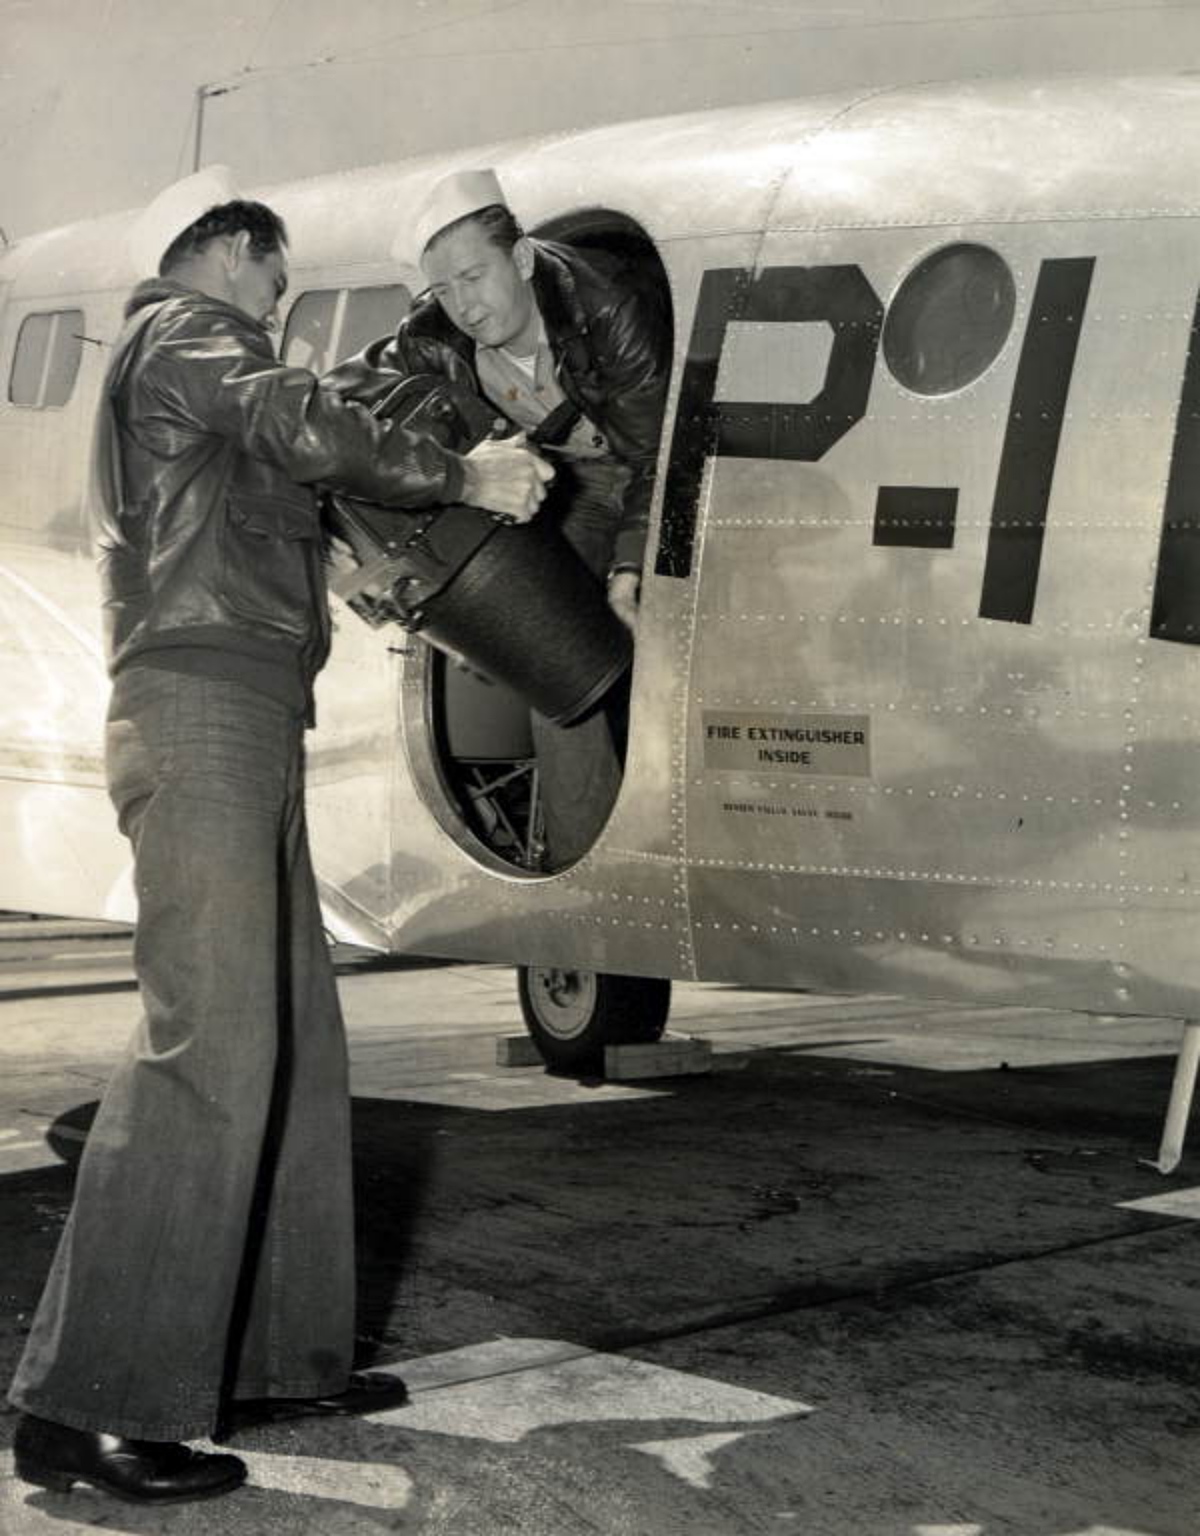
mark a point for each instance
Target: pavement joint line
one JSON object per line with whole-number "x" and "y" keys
{"x": 951, "y": 1111}
{"x": 567, "y": 1355}
{"x": 38, "y": 954}
{"x": 69, "y": 989}
{"x": 795, "y": 1301}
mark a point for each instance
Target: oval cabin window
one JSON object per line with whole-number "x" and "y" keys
{"x": 949, "y": 319}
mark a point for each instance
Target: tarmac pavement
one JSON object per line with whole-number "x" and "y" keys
{"x": 889, "y": 1270}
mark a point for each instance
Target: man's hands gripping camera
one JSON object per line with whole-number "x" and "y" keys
{"x": 507, "y": 478}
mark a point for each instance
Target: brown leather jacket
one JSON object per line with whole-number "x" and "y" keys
{"x": 610, "y": 334}
{"x": 206, "y": 453}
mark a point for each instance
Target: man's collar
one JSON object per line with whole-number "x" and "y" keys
{"x": 554, "y": 291}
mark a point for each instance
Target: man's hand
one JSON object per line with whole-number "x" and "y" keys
{"x": 506, "y": 477}
{"x": 623, "y": 590}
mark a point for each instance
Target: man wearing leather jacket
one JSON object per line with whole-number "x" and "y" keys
{"x": 208, "y": 1261}
{"x": 552, "y": 336}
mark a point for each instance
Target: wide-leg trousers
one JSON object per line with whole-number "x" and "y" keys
{"x": 209, "y": 1253}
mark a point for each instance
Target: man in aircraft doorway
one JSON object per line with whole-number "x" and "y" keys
{"x": 568, "y": 343}
{"x": 206, "y": 1271}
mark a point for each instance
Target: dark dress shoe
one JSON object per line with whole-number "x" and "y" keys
{"x": 367, "y": 1392}
{"x": 138, "y": 1471}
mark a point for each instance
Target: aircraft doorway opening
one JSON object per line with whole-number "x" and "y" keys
{"x": 481, "y": 735}
{"x": 484, "y": 748}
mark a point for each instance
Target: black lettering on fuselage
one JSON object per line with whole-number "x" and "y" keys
{"x": 1030, "y": 451}
{"x": 759, "y": 429}
{"x": 1175, "y": 614}
{"x": 920, "y": 516}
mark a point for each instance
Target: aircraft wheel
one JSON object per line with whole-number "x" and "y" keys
{"x": 573, "y": 1015}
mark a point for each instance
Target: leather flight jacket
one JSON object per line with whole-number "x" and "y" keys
{"x": 609, "y": 330}
{"x": 205, "y": 460}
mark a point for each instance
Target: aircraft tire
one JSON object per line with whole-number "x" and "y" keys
{"x": 573, "y": 1015}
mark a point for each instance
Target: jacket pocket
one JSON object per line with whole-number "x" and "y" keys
{"x": 270, "y": 561}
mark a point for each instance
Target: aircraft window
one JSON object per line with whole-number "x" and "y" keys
{"x": 309, "y": 325}
{"x": 46, "y": 359}
{"x": 949, "y": 319}
{"x": 371, "y": 313}
{"x": 327, "y": 325}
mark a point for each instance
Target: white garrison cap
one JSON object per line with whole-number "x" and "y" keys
{"x": 175, "y": 209}
{"x": 455, "y": 196}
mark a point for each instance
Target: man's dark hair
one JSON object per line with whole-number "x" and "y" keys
{"x": 496, "y": 221}
{"x": 264, "y": 226}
